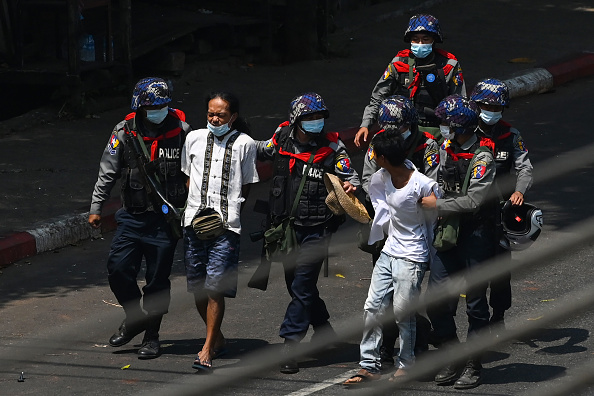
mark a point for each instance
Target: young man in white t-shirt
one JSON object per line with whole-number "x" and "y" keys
{"x": 395, "y": 191}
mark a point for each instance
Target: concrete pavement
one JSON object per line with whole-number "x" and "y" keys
{"x": 27, "y": 237}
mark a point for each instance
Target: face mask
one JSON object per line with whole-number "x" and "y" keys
{"x": 157, "y": 116}
{"x": 406, "y": 134}
{"x": 490, "y": 117}
{"x": 445, "y": 132}
{"x": 313, "y": 126}
{"x": 218, "y": 130}
{"x": 421, "y": 50}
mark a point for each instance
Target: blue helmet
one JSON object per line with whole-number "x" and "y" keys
{"x": 151, "y": 91}
{"x": 491, "y": 91}
{"x": 423, "y": 23}
{"x": 396, "y": 111}
{"x": 307, "y": 103}
{"x": 461, "y": 114}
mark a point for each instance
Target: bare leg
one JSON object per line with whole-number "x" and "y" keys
{"x": 212, "y": 310}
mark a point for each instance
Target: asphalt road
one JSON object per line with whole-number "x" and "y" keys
{"x": 57, "y": 310}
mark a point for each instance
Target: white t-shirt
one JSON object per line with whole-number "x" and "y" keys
{"x": 407, "y": 231}
{"x": 242, "y": 170}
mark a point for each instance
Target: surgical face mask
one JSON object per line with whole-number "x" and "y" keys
{"x": 445, "y": 132}
{"x": 157, "y": 116}
{"x": 218, "y": 130}
{"x": 490, "y": 117}
{"x": 313, "y": 126}
{"x": 421, "y": 50}
{"x": 406, "y": 134}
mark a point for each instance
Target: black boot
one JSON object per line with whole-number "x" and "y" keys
{"x": 471, "y": 376}
{"x": 151, "y": 348}
{"x": 130, "y": 328}
{"x": 447, "y": 375}
{"x": 289, "y": 365}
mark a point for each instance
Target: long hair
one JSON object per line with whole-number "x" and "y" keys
{"x": 240, "y": 123}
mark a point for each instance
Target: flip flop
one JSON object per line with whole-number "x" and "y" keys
{"x": 220, "y": 352}
{"x": 366, "y": 378}
{"x": 204, "y": 366}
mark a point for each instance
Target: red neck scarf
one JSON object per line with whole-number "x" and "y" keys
{"x": 402, "y": 67}
{"x": 167, "y": 135}
{"x": 320, "y": 155}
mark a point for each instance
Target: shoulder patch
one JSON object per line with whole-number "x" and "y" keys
{"x": 432, "y": 158}
{"x": 479, "y": 169}
{"x": 113, "y": 144}
{"x": 343, "y": 163}
{"x": 521, "y": 145}
{"x": 386, "y": 73}
{"x": 370, "y": 153}
{"x": 269, "y": 143}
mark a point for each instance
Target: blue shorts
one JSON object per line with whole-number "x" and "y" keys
{"x": 212, "y": 265}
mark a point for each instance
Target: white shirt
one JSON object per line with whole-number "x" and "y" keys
{"x": 242, "y": 171}
{"x": 399, "y": 215}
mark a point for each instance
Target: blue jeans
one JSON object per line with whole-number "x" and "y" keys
{"x": 401, "y": 279}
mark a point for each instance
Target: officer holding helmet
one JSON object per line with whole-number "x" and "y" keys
{"x": 293, "y": 144}
{"x": 143, "y": 230}
{"x": 477, "y": 239}
{"x": 424, "y": 74}
{"x": 511, "y": 154}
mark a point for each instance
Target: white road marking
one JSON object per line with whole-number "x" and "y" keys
{"x": 324, "y": 384}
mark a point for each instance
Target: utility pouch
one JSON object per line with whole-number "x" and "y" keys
{"x": 446, "y": 233}
{"x": 281, "y": 240}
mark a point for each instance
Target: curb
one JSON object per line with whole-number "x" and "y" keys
{"x": 70, "y": 229}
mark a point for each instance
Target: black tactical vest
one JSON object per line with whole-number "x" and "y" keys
{"x": 166, "y": 166}
{"x": 311, "y": 209}
{"x": 453, "y": 174}
{"x": 433, "y": 87}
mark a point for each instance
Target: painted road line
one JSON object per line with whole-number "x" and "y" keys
{"x": 325, "y": 384}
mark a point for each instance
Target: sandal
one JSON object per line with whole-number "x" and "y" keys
{"x": 399, "y": 375}
{"x": 204, "y": 365}
{"x": 362, "y": 377}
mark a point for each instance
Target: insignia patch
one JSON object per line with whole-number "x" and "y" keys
{"x": 430, "y": 77}
{"x": 445, "y": 144}
{"x": 269, "y": 144}
{"x": 479, "y": 170}
{"x": 370, "y": 153}
{"x": 386, "y": 74}
{"x": 432, "y": 158}
{"x": 113, "y": 144}
{"x": 522, "y": 146}
{"x": 344, "y": 165}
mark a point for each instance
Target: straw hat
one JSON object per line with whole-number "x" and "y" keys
{"x": 340, "y": 202}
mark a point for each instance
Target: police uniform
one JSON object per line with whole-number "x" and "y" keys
{"x": 425, "y": 81}
{"x": 477, "y": 235}
{"x": 142, "y": 230}
{"x": 511, "y": 154}
{"x": 314, "y": 222}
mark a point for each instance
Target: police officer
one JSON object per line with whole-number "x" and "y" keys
{"x": 293, "y": 144}
{"x": 423, "y": 73}
{"x": 477, "y": 238}
{"x": 511, "y": 154}
{"x": 143, "y": 230}
{"x": 398, "y": 113}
